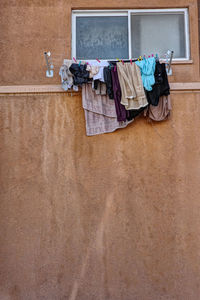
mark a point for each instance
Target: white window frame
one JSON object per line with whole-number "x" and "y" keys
{"x": 128, "y": 13}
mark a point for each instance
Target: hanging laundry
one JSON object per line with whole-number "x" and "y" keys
{"x": 93, "y": 70}
{"x": 125, "y": 80}
{"x": 66, "y": 75}
{"x": 99, "y": 87}
{"x": 161, "y": 86}
{"x": 108, "y": 81}
{"x": 133, "y": 113}
{"x": 132, "y": 86}
{"x": 100, "y": 65}
{"x": 100, "y": 113}
{"x": 160, "y": 112}
{"x": 120, "y": 109}
{"x": 95, "y": 84}
{"x": 81, "y": 75}
{"x": 133, "y": 95}
{"x": 147, "y": 68}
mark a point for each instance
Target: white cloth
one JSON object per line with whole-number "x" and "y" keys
{"x": 101, "y": 64}
{"x": 67, "y": 76}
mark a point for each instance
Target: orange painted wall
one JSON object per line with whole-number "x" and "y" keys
{"x": 28, "y": 28}
{"x": 199, "y": 21}
{"x": 110, "y": 217}
{"x": 115, "y": 216}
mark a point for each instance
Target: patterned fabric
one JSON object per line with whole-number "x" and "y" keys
{"x": 100, "y": 112}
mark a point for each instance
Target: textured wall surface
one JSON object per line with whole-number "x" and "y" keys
{"x": 199, "y": 21}
{"x": 110, "y": 217}
{"x": 30, "y": 27}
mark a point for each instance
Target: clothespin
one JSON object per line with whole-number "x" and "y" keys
{"x": 131, "y": 62}
{"x": 152, "y": 55}
{"x": 149, "y": 56}
{"x": 118, "y": 59}
{"x": 75, "y": 59}
{"x": 98, "y": 60}
{"x": 122, "y": 61}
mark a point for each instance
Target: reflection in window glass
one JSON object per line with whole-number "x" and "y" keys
{"x": 156, "y": 33}
{"x": 103, "y": 37}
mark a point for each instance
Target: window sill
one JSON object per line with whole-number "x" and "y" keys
{"x": 32, "y": 89}
{"x": 56, "y": 88}
{"x": 179, "y": 62}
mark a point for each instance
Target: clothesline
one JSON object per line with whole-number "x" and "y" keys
{"x": 121, "y": 59}
{"x": 168, "y": 59}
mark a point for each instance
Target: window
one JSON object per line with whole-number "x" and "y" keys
{"x": 130, "y": 33}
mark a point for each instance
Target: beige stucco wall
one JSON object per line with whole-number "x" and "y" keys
{"x": 28, "y": 28}
{"x": 115, "y": 216}
{"x": 110, "y": 217}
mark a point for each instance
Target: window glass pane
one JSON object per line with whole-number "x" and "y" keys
{"x": 157, "y": 33}
{"x": 102, "y": 37}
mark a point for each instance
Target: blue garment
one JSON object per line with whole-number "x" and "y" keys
{"x": 147, "y": 68}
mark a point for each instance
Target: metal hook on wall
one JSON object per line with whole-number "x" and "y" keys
{"x": 49, "y": 71}
{"x": 169, "y": 57}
